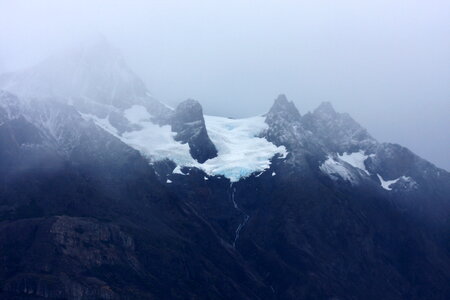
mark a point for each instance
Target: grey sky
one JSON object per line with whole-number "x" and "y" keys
{"x": 387, "y": 63}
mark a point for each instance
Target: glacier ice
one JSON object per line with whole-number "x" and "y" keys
{"x": 241, "y": 152}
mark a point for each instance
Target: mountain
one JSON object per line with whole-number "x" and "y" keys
{"x": 106, "y": 193}
{"x": 189, "y": 124}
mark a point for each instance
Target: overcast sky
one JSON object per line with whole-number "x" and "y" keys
{"x": 387, "y": 63}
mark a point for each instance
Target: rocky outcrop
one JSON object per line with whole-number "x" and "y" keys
{"x": 285, "y": 128}
{"x": 189, "y": 124}
{"x": 339, "y": 132}
{"x": 54, "y": 253}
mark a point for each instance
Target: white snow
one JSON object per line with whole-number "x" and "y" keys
{"x": 386, "y": 184}
{"x": 168, "y": 181}
{"x": 355, "y": 159}
{"x": 137, "y": 114}
{"x": 240, "y": 151}
{"x": 273, "y": 173}
{"x": 154, "y": 141}
{"x": 103, "y": 123}
{"x": 335, "y": 169}
{"x": 177, "y": 170}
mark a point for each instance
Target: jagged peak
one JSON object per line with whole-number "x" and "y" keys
{"x": 281, "y": 99}
{"x": 283, "y": 108}
{"x": 325, "y": 108}
{"x": 339, "y": 131}
{"x": 91, "y": 72}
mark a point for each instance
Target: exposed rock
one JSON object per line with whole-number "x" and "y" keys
{"x": 189, "y": 124}
{"x": 337, "y": 131}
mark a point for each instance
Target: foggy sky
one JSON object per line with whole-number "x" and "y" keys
{"x": 387, "y": 63}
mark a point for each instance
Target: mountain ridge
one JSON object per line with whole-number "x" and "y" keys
{"x": 134, "y": 200}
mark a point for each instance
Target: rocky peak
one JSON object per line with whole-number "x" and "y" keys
{"x": 285, "y": 128}
{"x": 338, "y": 131}
{"x": 189, "y": 124}
{"x": 282, "y": 109}
{"x": 186, "y": 112}
{"x": 325, "y": 109}
{"x": 93, "y": 77}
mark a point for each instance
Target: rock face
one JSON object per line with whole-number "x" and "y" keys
{"x": 189, "y": 124}
{"x": 338, "y": 131}
{"x": 85, "y": 241}
{"x": 284, "y": 122}
{"x": 286, "y": 129}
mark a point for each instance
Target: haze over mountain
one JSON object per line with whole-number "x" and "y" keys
{"x": 383, "y": 59}
{"x": 108, "y": 193}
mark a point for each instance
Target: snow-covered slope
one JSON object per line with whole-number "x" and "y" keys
{"x": 241, "y": 151}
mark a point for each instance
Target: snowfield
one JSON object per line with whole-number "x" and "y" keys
{"x": 241, "y": 151}
{"x": 337, "y": 165}
{"x": 355, "y": 159}
{"x": 336, "y": 169}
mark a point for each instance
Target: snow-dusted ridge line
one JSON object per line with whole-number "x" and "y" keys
{"x": 241, "y": 152}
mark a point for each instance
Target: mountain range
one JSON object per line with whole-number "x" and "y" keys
{"x": 108, "y": 193}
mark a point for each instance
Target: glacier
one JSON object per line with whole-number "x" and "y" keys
{"x": 241, "y": 151}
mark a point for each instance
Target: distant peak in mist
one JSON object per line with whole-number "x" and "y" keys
{"x": 93, "y": 70}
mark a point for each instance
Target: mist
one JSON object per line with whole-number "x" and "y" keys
{"x": 385, "y": 63}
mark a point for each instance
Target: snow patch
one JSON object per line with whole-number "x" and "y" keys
{"x": 137, "y": 114}
{"x": 355, "y": 159}
{"x": 177, "y": 170}
{"x": 103, "y": 123}
{"x": 154, "y": 141}
{"x": 336, "y": 169}
{"x": 386, "y": 184}
{"x": 240, "y": 151}
{"x": 168, "y": 181}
